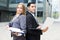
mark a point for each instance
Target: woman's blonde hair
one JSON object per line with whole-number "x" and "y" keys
{"x": 24, "y": 9}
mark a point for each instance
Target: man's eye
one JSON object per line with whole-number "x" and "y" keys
{"x": 32, "y": 6}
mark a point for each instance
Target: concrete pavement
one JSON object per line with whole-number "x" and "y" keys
{"x": 4, "y": 33}
{"x": 53, "y": 32}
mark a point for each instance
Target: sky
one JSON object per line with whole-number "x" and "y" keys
{"x": 56, "y": 5}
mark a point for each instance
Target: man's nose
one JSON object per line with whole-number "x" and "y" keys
{"x": 34, "y": 8}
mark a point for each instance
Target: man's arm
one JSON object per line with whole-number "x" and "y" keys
{"x": 43, "y": 30}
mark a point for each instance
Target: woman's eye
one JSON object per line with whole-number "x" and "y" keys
{"x": 19, "y": 8}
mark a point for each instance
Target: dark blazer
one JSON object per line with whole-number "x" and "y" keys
{"x": 30, "y": 20}
{"x": 31, "y": 25}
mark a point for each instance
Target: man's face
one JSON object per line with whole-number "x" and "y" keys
{"x": 32, "y": 8}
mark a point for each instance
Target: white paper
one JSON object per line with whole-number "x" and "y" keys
{"x": 48, "y": 22}
{"x": 15, "y": 30}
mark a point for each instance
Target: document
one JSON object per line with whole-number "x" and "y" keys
{"x": 20, "y": 32}
{"x": 48, "y": 22}
{"x": 16, "y": 30}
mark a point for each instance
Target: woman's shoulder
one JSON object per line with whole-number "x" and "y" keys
{"x": 22, "y": 16}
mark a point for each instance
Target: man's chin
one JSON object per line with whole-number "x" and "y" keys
{"x": 33, "y": 11}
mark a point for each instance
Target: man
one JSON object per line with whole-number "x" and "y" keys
{"x": 33, "y": 29}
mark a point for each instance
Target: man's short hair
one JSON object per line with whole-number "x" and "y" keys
{"x": 30, "y": 3}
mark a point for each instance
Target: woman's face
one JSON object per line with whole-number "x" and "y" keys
{"x": 19, "y": 9}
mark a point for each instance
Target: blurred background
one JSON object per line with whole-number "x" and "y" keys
{"x": 44, "y": 8}
{"x": 8, "y": 9}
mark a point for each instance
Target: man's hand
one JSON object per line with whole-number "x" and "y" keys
{"x": 44, "y": 30}
{"x": 39, "y": 27}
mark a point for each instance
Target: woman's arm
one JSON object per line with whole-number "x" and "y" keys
{"x": 23, "y": 22}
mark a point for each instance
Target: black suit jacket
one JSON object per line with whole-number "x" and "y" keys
{"x": 30, "y": 20}
{"x": 32, "y": 24}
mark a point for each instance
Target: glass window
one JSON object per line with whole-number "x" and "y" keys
{"x": 33, "y": 1}
{"x": 40, "y": 1}
{"x": 18, "y": 1}
{"x": 25, "y": 1}
{"x": 3, "y": 3}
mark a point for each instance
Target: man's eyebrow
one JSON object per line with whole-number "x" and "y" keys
{"x": 33, "y": 6}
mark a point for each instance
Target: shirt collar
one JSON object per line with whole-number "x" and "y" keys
{"x": 31, "y": 13}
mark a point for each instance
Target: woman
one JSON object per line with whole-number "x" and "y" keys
{"x": 19, "y": 21}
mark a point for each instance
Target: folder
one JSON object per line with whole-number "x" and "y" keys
{"x": 16, "y": 30}
{"x": 48, "y": 23}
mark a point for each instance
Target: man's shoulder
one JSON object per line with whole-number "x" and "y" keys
{"x": 28, "y": 14}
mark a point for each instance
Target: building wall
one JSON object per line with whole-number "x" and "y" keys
{"x": 11, "y": 9}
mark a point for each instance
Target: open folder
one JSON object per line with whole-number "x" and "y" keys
{"x": 16, "y": 30}
{"x": 20, "y": 32}
{"x": 48, "y": 22}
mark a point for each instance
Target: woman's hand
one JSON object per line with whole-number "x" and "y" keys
{"x": 15, "y": 33}
{"x": 7, "y": 27}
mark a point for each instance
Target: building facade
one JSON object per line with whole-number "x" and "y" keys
{"x": 8, "y": 9}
